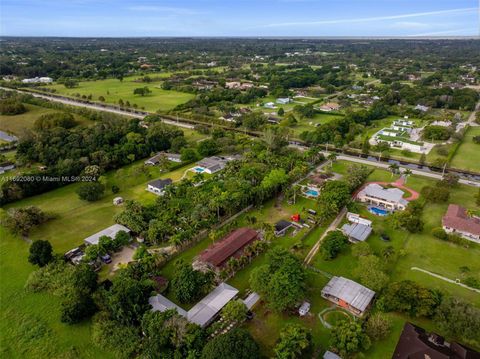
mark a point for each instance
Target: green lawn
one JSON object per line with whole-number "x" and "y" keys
{"x": 113, "y": 90}
{"x": 468, "y": 154}
{"x": 18, "y": 123}
{"x": 30, "y": 324}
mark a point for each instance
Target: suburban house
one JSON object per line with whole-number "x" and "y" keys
{"x": 202, "y": 313}
{"x": 422, "y": 108}
{"x": 5, "y": 167}
{"x": 283, "y": 100}
{"x": 415, "y": 342}
{"x": 211, "y": 165}
{"x": 356, "y": 232}
{"x": 390, "y": 198}
{"x": 43, "y": 80}
{"x": 158, "y": 186}
{"x": 269, "y": 105}
{"x": 281, "y": 227}
{"x": 215, "y": 256}
{"x": 330, "y": 106}
{"x": 457, "y": 220}
{"x": 348, "y": 294}
{"x": 330, "y": 355}
{"x": 227, "y": 117}
{"x": 155, "y": 160}
{"x": 109, "y": 232}
{"x": 403, "y": 125}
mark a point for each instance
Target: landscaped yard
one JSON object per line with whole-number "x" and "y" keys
{"x": 113, "y": 90}
{"x": 468, "y": 154}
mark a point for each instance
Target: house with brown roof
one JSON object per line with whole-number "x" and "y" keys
{"x": 415, "y": 342}
{"x": 457, "y": 220}
{"x": 215, "y": 256}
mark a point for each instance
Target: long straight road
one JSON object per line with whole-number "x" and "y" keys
{"x": 387, "y": 165}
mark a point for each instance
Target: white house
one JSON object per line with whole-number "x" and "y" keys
{"x": 422, "y": 108}
{"x": 211, "y": 165}
{"x": 390, "y": 198}
{"x": 44, "y": 80}
{"x": 269, "y": 105}
{"x": 355, "y": 218}
{"x": 158, "y": 186}
{"x": 109, "y": 232}
{"x": 283, "y": 100}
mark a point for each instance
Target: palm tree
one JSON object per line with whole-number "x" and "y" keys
{"x": 332, "y": 158}
{"x": 393, "y": 168}
{"x": 407, "y": 173}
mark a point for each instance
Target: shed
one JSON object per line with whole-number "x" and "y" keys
{"x": 281, "y": 227}
{"x": 117, "y": 201}
{"x": 304, "y": 309}
{"x": 356, "y": 232}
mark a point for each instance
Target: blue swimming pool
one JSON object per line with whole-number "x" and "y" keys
{"x": 199, "y": 169}
{"x": 312, "y": 192}
{"x": 378, "y": 211}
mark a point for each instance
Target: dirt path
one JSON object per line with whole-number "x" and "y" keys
{"x": 445, "y": 279}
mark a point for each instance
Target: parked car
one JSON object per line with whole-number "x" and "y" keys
{"x": 106, "y": 258}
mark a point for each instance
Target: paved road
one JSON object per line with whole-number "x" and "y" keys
{"x": 414, "y": 171}
{"x": 330, "y": 228}
{"x": 96, "y": 107}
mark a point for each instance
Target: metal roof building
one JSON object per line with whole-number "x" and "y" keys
{"x": 109, "y": 232}
{"x": 356, "y": 232}
{"x": 204, "y": 311}
{"x": 388, "y": 197}
{"x": 348, "y": 294}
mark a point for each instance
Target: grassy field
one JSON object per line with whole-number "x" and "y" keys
{"x": 468, "y": 154}
{"x": 30, "y": 326}
{"x": 113, "y": 90}
{"x": 18, "y": 123}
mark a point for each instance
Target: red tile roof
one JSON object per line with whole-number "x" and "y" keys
{"x": 222, "y": 250}
{"x": 457, "y": 218}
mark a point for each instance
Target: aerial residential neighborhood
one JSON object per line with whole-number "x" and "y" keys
{"x": 240, "y": 179}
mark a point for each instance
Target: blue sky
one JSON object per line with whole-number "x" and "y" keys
{"x": 239, "y": 17}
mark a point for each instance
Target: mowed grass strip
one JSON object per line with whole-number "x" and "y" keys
{"x": 113, "y": 90}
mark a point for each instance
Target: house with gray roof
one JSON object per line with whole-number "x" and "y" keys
{"x": 211, "y": 165}
{"x": 389, "y": 198}
{"x": 356, "y": 232}
{"x": 109, "y": 232}
{"x": 158, "y": 186}
{"x": 205, "y": 311}
{"x": 348, "y": 294}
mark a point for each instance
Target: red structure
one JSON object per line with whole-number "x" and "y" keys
{"x": 218, "y": 253}
{"x": 295, "y": 218}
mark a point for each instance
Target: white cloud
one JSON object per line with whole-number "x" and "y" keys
{"x": 377, "y": 18}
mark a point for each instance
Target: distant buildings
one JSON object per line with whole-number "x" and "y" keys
{"x": 283, "y": 100}
{"x": 415, "y": 342}
{"x": 158, "y": 186}
{"x": 422, "y": 108}
{"x": 109, "y": 232}
{"x": 202, "y": 313}
{"x": 34, "y": 80}
{"x": 215, "y": 256}
{"x": 456, "y": 220}
{"x": 348, "y": 294}
{"x": 269, "y": 105}
{"x": 330, "y": 106}
{"x": 390, "y": 198}
{"x": 155, "y": 160}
